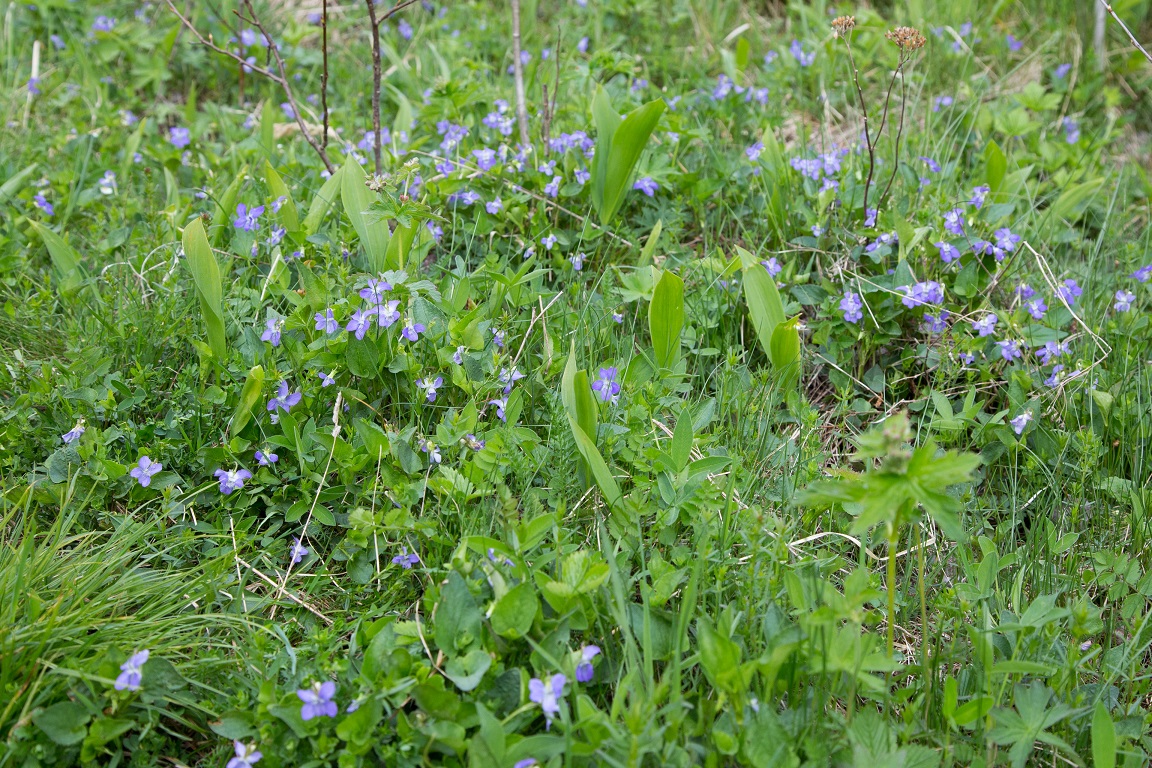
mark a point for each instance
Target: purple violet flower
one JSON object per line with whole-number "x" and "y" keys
{"x": 144, "y": 470}
{"x": 318, "y": 700}
{"x": 130, "y": 672}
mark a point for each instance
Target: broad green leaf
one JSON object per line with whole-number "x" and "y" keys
{"x": 399, "y": 246}
{"x": 576, "y": 394}
{"x": 65, "y": 260}
{"x": 357, "y": 199}
{"x": 1103, "y": 738}
{"x": 1069, "y": 205}
{"x": 253, "y": 386}
{"x": 763, "y": 299}
{"x": 358, "y": 727}
{"x": 682, "y": 440}
{"x": 607, "y": 120}
{"x": 649, "y": 249}
{"x": 323, "y": 200}
{"x": 995, "y": 166}
{"x": 277, "y": 188}
{"x": 628, "y": 143}
{"x": 784, "y": 352}
{"x": 514, "y": 612}
{"x": 596, "y": 464}
{"x": 14, "y": 184}
{"x": 666, "y": 319}
{"x": 65, "y": 722}
{"x": 226, "y": 206}
{"x": 130, "y": 149}
{"x": 720, "y": 657}
{"x": 468, "y": 670}
{"x": 457, "y": 617}
{"x": 206, "y": 277}
{"x": 362, "y": 357}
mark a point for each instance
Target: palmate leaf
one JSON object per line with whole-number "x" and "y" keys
{"x": 1029, "y": 723}
{"x": 894, "y": 489}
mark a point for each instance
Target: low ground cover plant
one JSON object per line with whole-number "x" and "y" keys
{"x": 597, "y": 383}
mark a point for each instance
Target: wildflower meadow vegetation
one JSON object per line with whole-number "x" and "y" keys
{"x": 508, "y": 383}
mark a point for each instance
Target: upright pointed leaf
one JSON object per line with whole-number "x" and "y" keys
{"x": 596, "y": 463}
{"x": 399, "y": 246}
{"x": 276, "y": 186}
{"x": 323, "y": 200}
{"x": 649, "y": 249}
{"x": 1103, "y": 738}
{"x": 576, "y": 394}
{"x": 784, "y": 352}
{"x": 206, "y": 278}
{"x": 65, "y": 260}
{"x": 628, "y": 143}
{"x": 666, "y": 319}
{"x": 764, "y": 304}
{"x": 996, "y": 165}
{"x": 682, "y": 440}
{"x": 131, "y": 147}
{"x": 607, "y": 120}
{"x": 16, "y": 183}
{"x": 226, "y": 206}
{"x": 357, "y": 198}
{"x": 253, "y": 386}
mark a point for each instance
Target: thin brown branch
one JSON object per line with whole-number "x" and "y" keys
{"x": 375, "y": 85}
{"x": 1127, "y": 31}
{"x": 207, "y": 42}
{"x": 292, "y": 102}
{"x": 280, "y": 77}
{"x": 867, "y": 134}
{"x": 899, "y": 133}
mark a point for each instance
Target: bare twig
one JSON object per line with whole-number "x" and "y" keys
{"x": 1127, "y": 31}
{"x": 296, "y": 112}
{"x": 518, "y": 75}
{"x": 864, "y": 109}
{"x": 899, "y": 133}
{"x": 280, "y": 77}
{"x": 375, "y": 85}
{"x": 286, "y": 592}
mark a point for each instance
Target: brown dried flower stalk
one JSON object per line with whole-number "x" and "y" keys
{"x": 842, "y": 25}
{"x": 907, "y": 38}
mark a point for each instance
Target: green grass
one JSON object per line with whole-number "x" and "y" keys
{"x": 752, "y": 601}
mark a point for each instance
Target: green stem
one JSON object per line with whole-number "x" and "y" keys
{"x": 893, "y": 539}
{"x": 923, "y": 619}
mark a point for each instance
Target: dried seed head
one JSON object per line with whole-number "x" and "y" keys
{"x": 907, "y": 38}
{"x": 842, "y": 25}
